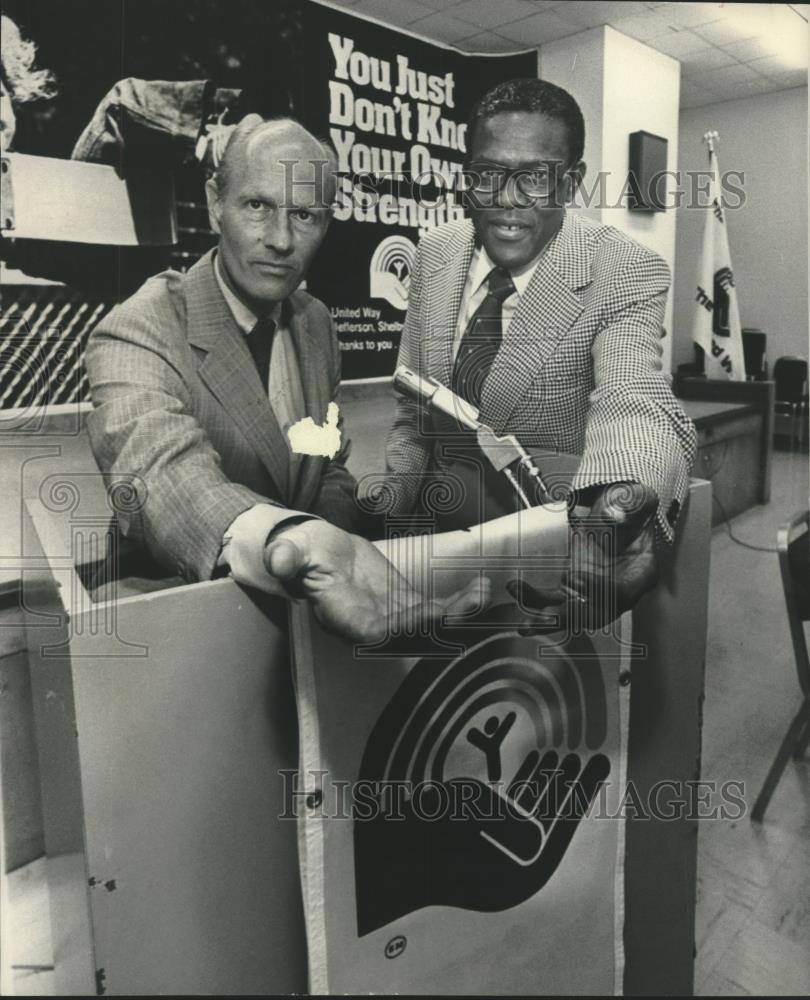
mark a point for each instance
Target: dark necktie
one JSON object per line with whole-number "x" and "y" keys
{"x": 260, "y": 345}
{"x": 482, "y": 338}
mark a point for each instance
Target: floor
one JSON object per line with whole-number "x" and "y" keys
{"x": 27, "y": 957}
{"x": 753, "y": 912}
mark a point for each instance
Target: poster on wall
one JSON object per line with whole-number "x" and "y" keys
{"x": 395, "y": 109}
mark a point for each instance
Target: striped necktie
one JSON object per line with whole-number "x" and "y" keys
{"x": 260, "y": 345}
{"x": 482, "y": 338}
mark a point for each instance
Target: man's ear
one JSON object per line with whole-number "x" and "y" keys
{"x": 214, "y": 203}
{"x": 575, "y": 177}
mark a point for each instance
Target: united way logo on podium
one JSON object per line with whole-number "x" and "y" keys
{"x": 489, "y": 760}
{"x": 460, "y": 811}
{"x": 390, "y": 272}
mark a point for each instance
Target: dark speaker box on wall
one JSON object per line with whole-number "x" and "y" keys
{"x": 647, "y": 187}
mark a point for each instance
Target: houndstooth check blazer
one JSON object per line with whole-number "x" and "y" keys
{"x": 579, "y": 370}
{"x": 179, "y": 407}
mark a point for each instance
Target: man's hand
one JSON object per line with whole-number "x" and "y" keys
{"x": 613, "y": 561}
{"x": 353, "y": 589}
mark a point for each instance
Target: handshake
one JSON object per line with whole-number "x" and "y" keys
{"x": 358, "y": 593}
{"x": 353, "y": 589}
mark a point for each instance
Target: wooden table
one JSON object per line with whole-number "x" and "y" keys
{"x": 734, "y": 422}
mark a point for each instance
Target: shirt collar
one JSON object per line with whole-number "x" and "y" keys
{"x": 482, "y": 265}
{"x": 245, "y": 318}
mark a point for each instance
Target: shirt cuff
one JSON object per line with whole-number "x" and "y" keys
{"x": 244, "y": 542}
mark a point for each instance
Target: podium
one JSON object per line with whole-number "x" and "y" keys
{"x": 669, "y": 628}
{"x": 163, "y": 721}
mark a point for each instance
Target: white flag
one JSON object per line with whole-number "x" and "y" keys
{"x": 717, "y": 318}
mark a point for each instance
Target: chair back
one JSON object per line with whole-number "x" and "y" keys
{"x": 755, "y": 343}
{"x": 793, "y": 545}
{"x": 790, "y": 376}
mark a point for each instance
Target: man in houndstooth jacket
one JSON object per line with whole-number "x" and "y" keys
{"x": 578, "y": 369}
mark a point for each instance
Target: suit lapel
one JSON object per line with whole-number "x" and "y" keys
{"x": 229, "y": 372}
{"x": 547, "y": 310}
{"x": 446, "y": 288}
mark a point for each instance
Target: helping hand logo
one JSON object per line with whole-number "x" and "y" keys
{"x": 513, "y": 725}
{"x": 390, "y": 272}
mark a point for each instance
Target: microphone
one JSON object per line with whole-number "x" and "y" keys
{"x": 503, "y": 452}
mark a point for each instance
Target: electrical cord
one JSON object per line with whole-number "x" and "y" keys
{"x": 710, "y": 473}
{"x": 733, "y": 537}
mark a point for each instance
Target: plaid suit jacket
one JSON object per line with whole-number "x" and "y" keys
{"x": 179, "y": 408}
{"x": 579, "y": 369}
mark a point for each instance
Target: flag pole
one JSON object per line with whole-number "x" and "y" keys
{"x": 709, "y": 138}
{"x": 717, "y": 327}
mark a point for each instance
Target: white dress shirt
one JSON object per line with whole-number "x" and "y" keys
{"x": 475, "y": 291}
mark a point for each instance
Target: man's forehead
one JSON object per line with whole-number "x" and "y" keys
{"x": 521, "y": 136}
{"x": 298, "y": 167}
{"x": 271, "y": 147}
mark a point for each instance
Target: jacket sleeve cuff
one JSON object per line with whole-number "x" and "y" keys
{"x": 245, "y": 539}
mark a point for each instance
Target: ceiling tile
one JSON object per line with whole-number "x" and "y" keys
{"x": 791, "y": 78}
{"x": 625, "y": 9}
{"x": 698, "y": 101}
{"x": 590, "y": 13}
{"x": 643, "y": 27}
{"x": 739, "y": 91}
{"x": 725, "y": 31}
{"x": 770, "y": 66}
{"x": 539, "y": 29}
{"x": 486, "y": 14}
{"x": 489, "y": 41}
{"x": 540, "y": 5}
{"x": 393, "y": 11}
{"x": 686, "y": 15}
{"x": 443, "y": 27}
{"x": 706, "y": 59}
{"x": 440, "y": 4}
{"x": 576, "y": 10}
{"x": 679, "y": 43}
{"x": 620, "y": 9}
{"x": 687, "y": 87}
{"x": 726, "y": 94}
{"x": 748, "y": 49}
{"x": 717, "y": 78}
{"x": 691, "y": 91}
{"x": 760, "y": 86}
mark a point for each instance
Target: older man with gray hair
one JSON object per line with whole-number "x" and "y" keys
{"x": 215, "y": 391}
